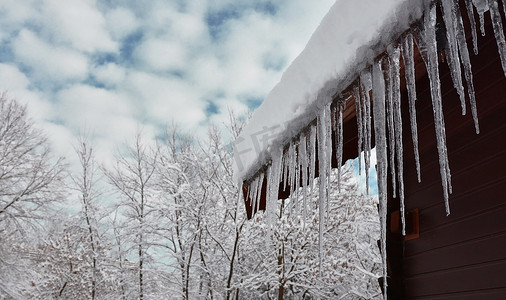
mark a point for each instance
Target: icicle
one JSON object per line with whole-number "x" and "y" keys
{"x": 323, "y": 139}
{"x": 358, "y": 112}
{"x": 274, "y": 175}
{"x": 268, "y": 200}
{"x": 504, "y": 6}
{"x": 252, "y": 194}
{"x": 294, "y": 197}
{"x": 291, "y": 167}
{"x": 303, "y": 163}
{"x": 495, "y": 15}
{"x": 258, "y": 191}
{"x": 382, "y": 160}
{"x": 339, "y": 138}
{"x": 409, "y": 72}
{"x": 481, "y": 7}
{"x": 286, "y": 164}
{"x": 312, "y": 158}
{"x": 429, "y": 40}
{"x": 470, "y": 14}
{"x": 391, "y": 128}
{"x": 328, "y": 155}
{"x": 260, "y": 187}
{"x": 466, "y": 62}
{"x": 258, "y": 196}
{"x": 366, "y": 85}
{"x": 334, "y": 115}
{"x": 449, "y": 17}
{"x": 394, "y": 54}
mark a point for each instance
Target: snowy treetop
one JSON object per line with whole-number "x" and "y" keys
{"x": 351, "y": 34}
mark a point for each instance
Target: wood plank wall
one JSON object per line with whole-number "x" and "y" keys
{"x": 463, "y": 255}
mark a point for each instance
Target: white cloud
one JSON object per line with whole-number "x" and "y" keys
{"x": 159, "y": 16}
{"x": 208, "y": 71}
{"x": 55, "y": 43}
{"x": 241, "y": 70}
{"x": 121, "y": 22}
{"x": 161, "y": 54}
{"x": 16, "y": 84}
{"x": 13, "y": 14}
{"x": 172, "y": 38}
{"x": 79, "y": 24}
{"x": 164, "y": 100}
{"x": 61, "y": 139}
{"x": 49, "y": 63}
{"x": 110, "y": 74}
{"x": 11, "y": 78}
{"x": 190, "y": 28}
{"x": 84, "y": 106}
{"x": 225, "y": 107}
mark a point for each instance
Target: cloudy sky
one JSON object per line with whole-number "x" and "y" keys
{"x": 111, "y": 66}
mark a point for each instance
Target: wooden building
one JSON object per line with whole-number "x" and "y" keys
{"x": 461, "y": 255}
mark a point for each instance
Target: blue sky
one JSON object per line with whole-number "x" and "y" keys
{"x": 111, "y": 66}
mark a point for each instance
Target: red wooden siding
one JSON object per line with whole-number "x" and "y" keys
{"x": 461, "y": 256}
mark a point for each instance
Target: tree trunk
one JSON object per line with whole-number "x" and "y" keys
{"x": 94, "y": 261}
{"x": 281, "y": 269}
{"x": 141, "y": 286}
{"x": 231, "y": 271}
{"x": 281, "y": 292}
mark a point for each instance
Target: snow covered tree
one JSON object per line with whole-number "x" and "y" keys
{"x": 176, "y": 228}
{"x": 60, "y": 266}
{"x": 185, "y": 200}
{"x": 132, "y": 178}
{"x": 58, "y": 263}
{"x": 222, "y": 230}
{"x": 86, "y": 185}
{"x": 202, "y": 211}
{"x": 31, "y": 179}
{"x": 96, "y": 247}
{"x": 287, "y": 264}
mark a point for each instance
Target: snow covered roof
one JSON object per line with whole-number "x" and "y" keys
{"x": 351, "y": 34}
{"x": 345, "y": 52}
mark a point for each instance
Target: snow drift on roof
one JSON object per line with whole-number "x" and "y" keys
{"x": 349, "y": 36}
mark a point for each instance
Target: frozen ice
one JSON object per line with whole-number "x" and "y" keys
{"x": 339, "y": 138}
{"x": 366, "y": 86}
{"x": 481, "y": 7}
{"x": 323, "y": 140}
{"x": 394, "y": 53}
{"x": 291, "y": 167}
{"x": 274, "y": 175}
{"x": 380, "y": 137}
{"x": 286, "y": 165}
{"x": 303, "y": 158}
{"x": 452, "y": 52}
{"x": 259, "y": 191}
{"x": 466, "y": 62}
{"x": 495, "y": 15}
{"x": 470, "y": 14}
{"x": 252, "y": 194}
{"x": 360, "y": 126}
{"x": 312, "y": 156}
{"x": 333, "y": 54}
{"x": 390, "y": 125}
{"x": 382, "y": 79}
{"x": 268, "y": 210}
{"x": 409, "y": 73}
{"x": 429, "y": 40}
